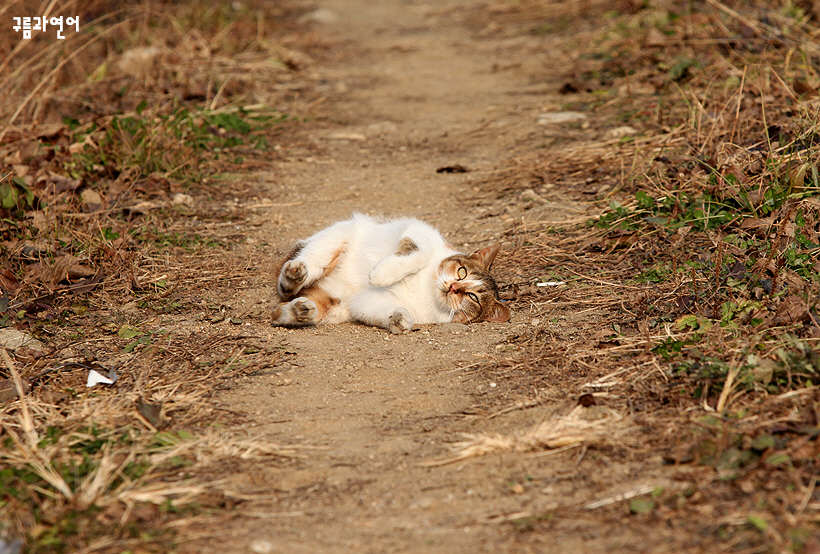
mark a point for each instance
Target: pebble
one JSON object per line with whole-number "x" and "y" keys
{"x": 557, "y": 118}
{"x": 138, "y": 61}
{"x": 261, "y": 546}
{"x": 347, "y": 136}
{"x": 92, "y": 200}
{"x": 620, "y": 132}
{"x": 182, "y": 198}
{"x": 455, "y": 327}
{"x": 530, "y": 195}
{"x": 322, "y": 15}
{"x": 12, "y": 339}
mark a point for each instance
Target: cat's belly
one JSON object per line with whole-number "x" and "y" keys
{"x": 422, "y": 316}
{"x": 340, "y": 313}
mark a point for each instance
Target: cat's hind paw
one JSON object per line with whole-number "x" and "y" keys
{"x": 304, "y": 311}
{"x": 298, "y": 312}
{"x": 292, "y": 278}
{"x": 400, "y": 322}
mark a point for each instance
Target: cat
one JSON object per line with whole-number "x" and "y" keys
{"x": 386, "y": 273}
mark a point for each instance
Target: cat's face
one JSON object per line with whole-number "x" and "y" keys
{"x": 465, "y": 286}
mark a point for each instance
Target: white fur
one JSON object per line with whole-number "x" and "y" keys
{"x": 373, "y": 284}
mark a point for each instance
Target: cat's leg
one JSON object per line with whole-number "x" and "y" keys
{"x": 296, "y": 313}
{"x": 313, "y": 259}
{"x": 378, "y": 307}
{"x": 408, "y": 259}
{"x": 310, "y": 308}
{"x": 292, "y": 278}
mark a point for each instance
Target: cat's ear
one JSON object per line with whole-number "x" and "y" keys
{"x": 498, "y": 312}
{"x": 485, "y": 256}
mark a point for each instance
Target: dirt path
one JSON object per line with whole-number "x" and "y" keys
{"x": 413, "y": 91}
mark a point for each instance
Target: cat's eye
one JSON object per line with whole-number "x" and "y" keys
{"x": 473, "y": 297}
{"x": 462, "y": 273}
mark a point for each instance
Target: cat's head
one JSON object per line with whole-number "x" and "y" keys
{"x": 465, "y": 286}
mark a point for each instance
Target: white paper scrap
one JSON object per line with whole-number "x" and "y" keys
{"x": 95, "y": 378}
{"x": 550, "y": 284}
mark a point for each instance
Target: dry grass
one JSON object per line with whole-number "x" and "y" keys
{"x": 151, "y": 437}
{"x": 216, "y": 54}
{"x": 118, "y": 245}
{"x": 690, "y": 304}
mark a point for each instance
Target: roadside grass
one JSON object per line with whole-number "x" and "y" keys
{"x": 114, "y": 225}
{"x": 694, "y": 294}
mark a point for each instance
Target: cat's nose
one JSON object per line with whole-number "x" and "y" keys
{"x": 453, "y": 287}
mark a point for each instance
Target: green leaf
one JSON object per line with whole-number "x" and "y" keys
{"x": 166, "y": 438}
{"x": 641, "y": 505}
{"x": 763, "y": 442}
{"x": 110, "y": 234}
{"x": 778, "y": 459}
{"x": 128, "y": 332}
{"x": 8, "y": 199}
{"x": 185, "y": 435}
{"x": 758, "y": 522}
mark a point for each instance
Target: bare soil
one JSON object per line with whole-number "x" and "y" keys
{"x": 407, "y": 88}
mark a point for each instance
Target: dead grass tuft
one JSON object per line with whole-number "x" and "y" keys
{"x": 581, "y": 427}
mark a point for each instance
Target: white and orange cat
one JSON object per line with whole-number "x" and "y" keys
{"x": 387, "y": 273}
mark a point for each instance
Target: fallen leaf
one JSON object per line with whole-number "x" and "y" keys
{"x": 49, "y": 130}
{"x": 151, "y": 412}
{"x": 87, "y": 285}
{"x": 756, "y": 223}
{"x": 9, "y": 282}
{"x": 455, "y": 168}
{"x": 8, "y": 391}
{"x": 791, "y": 310}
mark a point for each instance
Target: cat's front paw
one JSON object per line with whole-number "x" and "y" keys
{"x": 292, "y": 278}
{"x": 400, "y": 322}
{"x": 382, "y": 275}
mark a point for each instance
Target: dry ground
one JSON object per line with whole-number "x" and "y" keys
{"x": 562, "y": 430}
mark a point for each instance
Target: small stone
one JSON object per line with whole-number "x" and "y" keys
{"x": 620, "y": 132}
{"x": 455, "y": 327}
{"x": 558, "y": 118}
{"x": 530, "y": 195}
{"x": 518, "y": 488}
{"x": 12, "y": 339}
{"x": 92, "y": 201}
{"x": 261, "y": 546}
{"x": 182, "y": 198}
{"x": 139, "y": 61}
{"x": 322, "y": 15}
{"x": 347, "y": 136}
